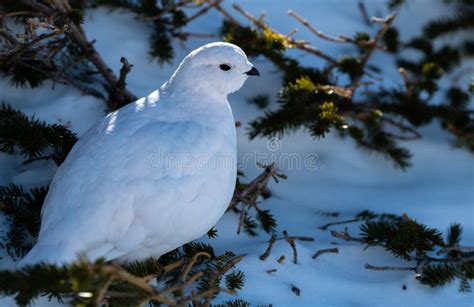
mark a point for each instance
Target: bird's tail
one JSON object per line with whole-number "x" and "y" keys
{"x": 41, "y": 253}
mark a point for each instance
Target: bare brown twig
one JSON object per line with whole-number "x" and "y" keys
{"x": 313, "y": 30}
{"x": 77, "y": 35}
{"x": 326, "y": 226}
{"x": 386, "y": 24}
{"x": 403, "y": 128}
{"x": 252, "y": 190}
{"x": 341, "y": 39}
{"x": 388, "y": 268}
{"x": 292, "y": 43}
{"x": 190, "y": 265}
{"x": 269, "y": 248}
{"x": 291, "y": 242}
{"x": 346, "y": 236}
{"x": 363, "y": 11}
{"x": 406, "y": 81}
{"x": 334, "y": 250}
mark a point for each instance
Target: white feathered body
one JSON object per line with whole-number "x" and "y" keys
{"x": 148, "y": 178}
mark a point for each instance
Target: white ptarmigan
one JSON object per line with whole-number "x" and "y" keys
{"x": 152, "y": 175}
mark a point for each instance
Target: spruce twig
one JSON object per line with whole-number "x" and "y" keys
{"x": 191, "y": 264}
{"x": 252, "y": 190}
{"x": 388, "y": 268}
{"x": 300, "y": 44}
{"x": 54, "y": 11}
{"x": 269, "y": 248}
{"x": 117, "y": 98}
{"x": 346, "y": 236}
{"x": 326, "y": 226}
{"x": 341, "y": 39}
{"x": 456, "y": 249}
{"x": 406, "y": 80}
{"x": 363, "y": 12}
{"x": 334, "y": 250}
{"x": 295, "y": 290}
{"x": 410, "y": 240}
{"x": 247, "y": 195}
{"x": 291, "y": 242}
{"x": 364, "y": 59}
{"x": 217, "y": 5}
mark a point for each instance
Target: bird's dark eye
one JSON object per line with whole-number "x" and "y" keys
{"x": 224, "y": 67}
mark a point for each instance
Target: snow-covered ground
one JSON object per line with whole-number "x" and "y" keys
{"x": 437, "y": 190}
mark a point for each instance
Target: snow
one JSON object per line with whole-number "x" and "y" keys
{"x": 437, "y": 190}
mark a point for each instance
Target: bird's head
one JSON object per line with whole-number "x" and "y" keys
{"x": 219, "y": 67}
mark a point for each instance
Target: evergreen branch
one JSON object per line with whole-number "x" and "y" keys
{"x": 462, "y": 258}
{"x": 247, "y": 195}
{"x": 114, "y": 284}
{"x": 404, "y": 237}
{"x": 23, "y": 209}
{"x": 461, "y": 21}
{"x": 31, "y": 136}
{"x": 307, "y": 89}
{"x": 403, "y": 128}
{"x": 456, "y": 249}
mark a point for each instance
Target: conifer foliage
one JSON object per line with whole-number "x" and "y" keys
{"x": 33, "y": 138}
{"x": 165, "y": 281}
{"x": 438, "y": 260}
{"x": 247, "y": 195}
{"x": 23, "y": 209}
{"x": 319, "y": 100}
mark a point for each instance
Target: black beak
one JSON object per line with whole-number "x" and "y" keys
{"x": 253, "y": 72}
